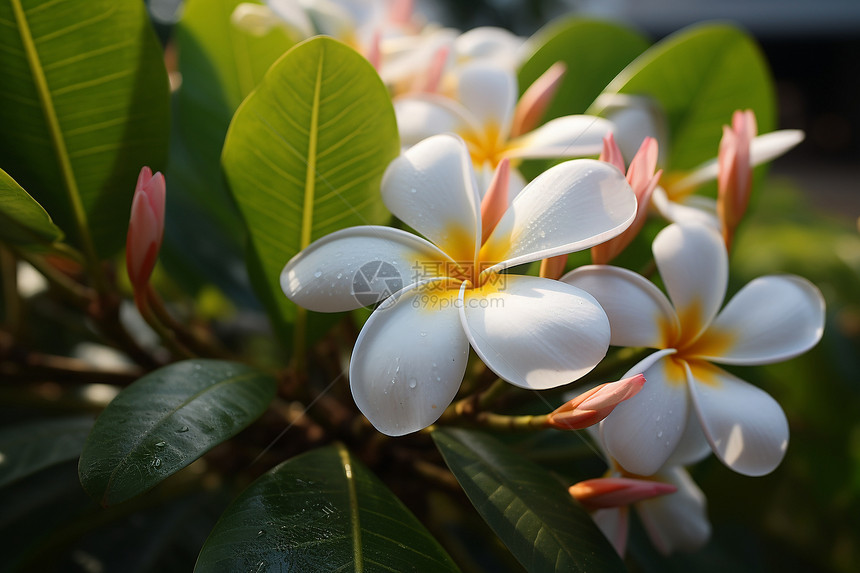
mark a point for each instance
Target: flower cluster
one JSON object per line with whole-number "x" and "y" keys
{"x": 464, "y": 132}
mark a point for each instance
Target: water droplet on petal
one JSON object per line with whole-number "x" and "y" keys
{"x": 413, "y": 382}
{"x": 660, "y": 434}
{"x": 318, "y": 274}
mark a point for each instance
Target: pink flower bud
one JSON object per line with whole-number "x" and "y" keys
{"x": 643, "y": 180}
{"x": 146, "y": 227}
{"x": 602, "y": 493}
{"x": 734, "y": 171}
{"x": 495, "y": 201}
{"x": 553, "y": 267}
{"x": 536, "y": 99}
{"x": 590, "y": 407}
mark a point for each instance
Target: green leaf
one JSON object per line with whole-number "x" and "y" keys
{"x": 700, "y": 75}
{"x": 84, "y": 105}
{"x": 593, "y": 51}
{"x": 33, "y": 446}
{"x": 166, "y": 420}
{"x": 320, "y": 511}
{"x": 220, "y": 65}
{"x": 529, "y": 509}
{"x": 23, "y": 221}
{"x": 304, "y": 157}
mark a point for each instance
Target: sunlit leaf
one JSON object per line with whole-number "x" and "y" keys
{"x": 699, "y": 76}
{"x": 528, "y": 508}
{"x": 593, "y": 51}
{"x": 166, "y": 420}
{"x": 84, "y": 105}
{"x": 304, "y": 157}
{"x": 30, "y": 447}
{"x": 22, "y": 220}
{"x": 320, "y": 511}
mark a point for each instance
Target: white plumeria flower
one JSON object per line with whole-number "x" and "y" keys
{"x": 674, "y": 522}
{"x": 773, "y": 318}
{"x": 482, "y": 114}
{"x": 410, "y": 357}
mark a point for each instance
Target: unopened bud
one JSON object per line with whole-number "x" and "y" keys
{"x": 145, "y": 227}
{"x": 591, "y": 407}
{"x": 536, "y": 99}
{"x": 602, "y": 493}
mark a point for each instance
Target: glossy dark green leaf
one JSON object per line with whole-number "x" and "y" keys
{"x": 528, "y": 508}
{"x": 320, "y": 511}
{"x": 304, "y": 157}
{"x": 84, "y": 105}
{"x": 593, "y": 51}
{"x": 32, "y": 446}
{"x": 166, "y": 420}
{"x": 23, "y": 221}
{"x": 699, "y": 76}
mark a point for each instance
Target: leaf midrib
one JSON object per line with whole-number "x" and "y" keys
{"x": 355, "y": 522}
{"x": 50, "y": 114}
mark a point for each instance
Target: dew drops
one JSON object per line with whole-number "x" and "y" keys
{"x": 413, "y": 190}
{"x": 318, "y": 274}
{"x": 160, "y": 444}
{"x": 657, "y": 419}
{"x": 339, "y": 275}
{"x": 413, "y": 383}
{"x": 660, "y": 434}
{"x": 156, "y": 462}
{"x": 261, "y": 533}
{"x": 183, "y": 429}
{"x": 423, "y": 334}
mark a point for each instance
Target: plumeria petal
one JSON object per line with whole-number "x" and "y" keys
{"x": 639, "y": 313}
{"x": 258, "y": 20}
{"x": 614, "y": 525}
{"x": 535, "y": 333}
{"x": 331, "y": 274}
{"x": 676, "y": 522}
{"x": 694, "y": 266}
{"x": 490, "y": 94}
{"x": 635, "y": 118}
{"x": 643, "y": 431}
{"x": 571, "y": 206}
{"x": 771, "y": 319}
{"x": 771, "y": 145}
{"x": 432, "y": 188}
{"x": 694, "y": 446}
{"x": 495, "y": 201}
{"x": 409, "y": 360}
{"x": 692, "y": 209}
{"x": 489, "y": 43}
{"x": 422, "y": 115}
{"x": 536, "y": 99}
{"x": 745, "y": 426}
{"x": 293, "y": 15}
{"x": 763, "y": 148}
{"x": 568, "y": 136}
